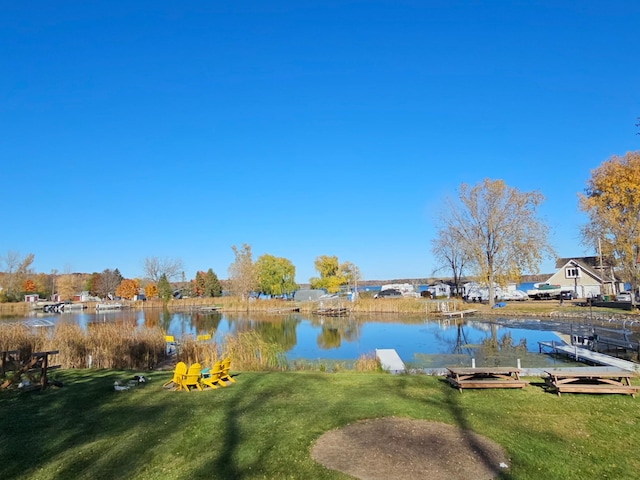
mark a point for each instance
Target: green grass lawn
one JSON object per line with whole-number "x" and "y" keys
{"x": 264, "y": 425}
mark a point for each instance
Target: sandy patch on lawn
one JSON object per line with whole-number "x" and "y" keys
{"x": 406, "y": 449}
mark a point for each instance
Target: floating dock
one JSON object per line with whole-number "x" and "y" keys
{"x": 390, "y": 360}
{"x": 588, "y": 356}
{"x": 460, "y": 313}
{"x": 332, "y": 311}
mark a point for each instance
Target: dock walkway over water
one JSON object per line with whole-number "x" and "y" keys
{"x": 390, "y": 361}
{"x": 589, "y": 356}
{"x": 460, "y": 313}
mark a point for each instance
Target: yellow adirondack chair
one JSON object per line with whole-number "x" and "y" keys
{"x": 212, "y": 379}
{"x": 170, "y": 344}
{"x": 192, "y": 378}
{"x": 179, "y": 372}
{"x": 226, "y": 364}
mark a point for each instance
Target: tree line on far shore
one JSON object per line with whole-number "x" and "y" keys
{"x": 490, "y": 233}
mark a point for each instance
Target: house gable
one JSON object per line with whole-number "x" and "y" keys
{"x": 584, "y": 277}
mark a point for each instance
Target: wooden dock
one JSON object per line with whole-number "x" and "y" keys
{"x": 588, "y": 356}
{"x": 389, "y": 360}
{"x": 284, "y": 310}
{"x": 331, "y": 311}
{"x": 460, "y": 313}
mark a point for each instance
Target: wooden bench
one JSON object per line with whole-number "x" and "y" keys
{"x": 597, "y": 388}
{"x": 487, "y": 383}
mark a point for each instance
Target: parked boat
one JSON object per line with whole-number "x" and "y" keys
{"x": 109, "y": 306}
{"x": 543, "y": 291}
{"x": 68, "y": 307}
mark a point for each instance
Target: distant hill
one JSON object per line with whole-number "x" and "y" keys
{"x": 542, "y": 277}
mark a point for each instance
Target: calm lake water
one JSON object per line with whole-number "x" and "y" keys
{"x": 420, "y": 342}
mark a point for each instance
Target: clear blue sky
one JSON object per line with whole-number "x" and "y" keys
{"x": 302, "y": 128}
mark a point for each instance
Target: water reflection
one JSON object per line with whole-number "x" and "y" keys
{"x": 418, "y": 341}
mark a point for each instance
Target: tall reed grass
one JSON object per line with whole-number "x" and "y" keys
{"x": 16, "y": 337}
{"x": 367, "y": 363}
{"x": 247, "y": 350}
{"x": 109, "y": 345}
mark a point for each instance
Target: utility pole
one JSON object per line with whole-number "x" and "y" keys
{"x": 601, "y": 269}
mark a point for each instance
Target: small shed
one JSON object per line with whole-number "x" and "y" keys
{"x": 32, "y": 298}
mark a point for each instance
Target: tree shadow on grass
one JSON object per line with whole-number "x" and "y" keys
{"x": 41, "y": 427}
{"x": 230, "y": 461}
{"x": 463, "y": 423}
{"x": 454, "y": 401}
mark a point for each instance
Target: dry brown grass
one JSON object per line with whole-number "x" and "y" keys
{"x": 9, "y": 309}
{"x": 16, "y": 337}
{"x": 108, "y": 345}
{"x": 246, "y": 349}
{"x": 367, "y": 363}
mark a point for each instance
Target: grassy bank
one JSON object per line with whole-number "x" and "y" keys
{"x": 264, "y": 425}
{"x": 363, "y": 305}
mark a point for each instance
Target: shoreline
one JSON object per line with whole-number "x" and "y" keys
{"x": 527, "y": 308}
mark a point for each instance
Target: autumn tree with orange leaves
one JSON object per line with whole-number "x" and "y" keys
{"x": 28, "y": 286}
{"x": 198, "y": 284}
{"x": 127, "y": 289}
{"x": 151, "y": 290}
{"x": 612, "y": 202}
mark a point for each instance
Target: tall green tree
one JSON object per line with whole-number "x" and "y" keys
{"x": 276, "y": 275}
{"x": 498, "y": 230}
{"x": 212, "y": 286}
{"x": 612, "y": 202}
{"x": 165, "y": 291}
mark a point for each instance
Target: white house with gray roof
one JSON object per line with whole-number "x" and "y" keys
{"x": 585, "y": 277}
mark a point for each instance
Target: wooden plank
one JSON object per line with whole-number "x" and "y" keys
{"x": 588, "y": 373}
{"x": 596, "y": 388}
{"x": 483, "y": 370}
{"x": 488, "y": 383}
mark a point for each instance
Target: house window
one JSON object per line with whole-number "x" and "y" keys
{"x": 571, "y": 272}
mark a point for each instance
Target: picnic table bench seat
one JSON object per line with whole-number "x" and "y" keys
{"x": 595, "y": 388}
{"x": 488, "y": 383}
{"x": 485, "y": 377}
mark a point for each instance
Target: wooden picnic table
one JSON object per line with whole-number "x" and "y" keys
{"x": 588, "y": 380}
{"x": 485, "y": 377}
{"x": 36, "y": 367}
